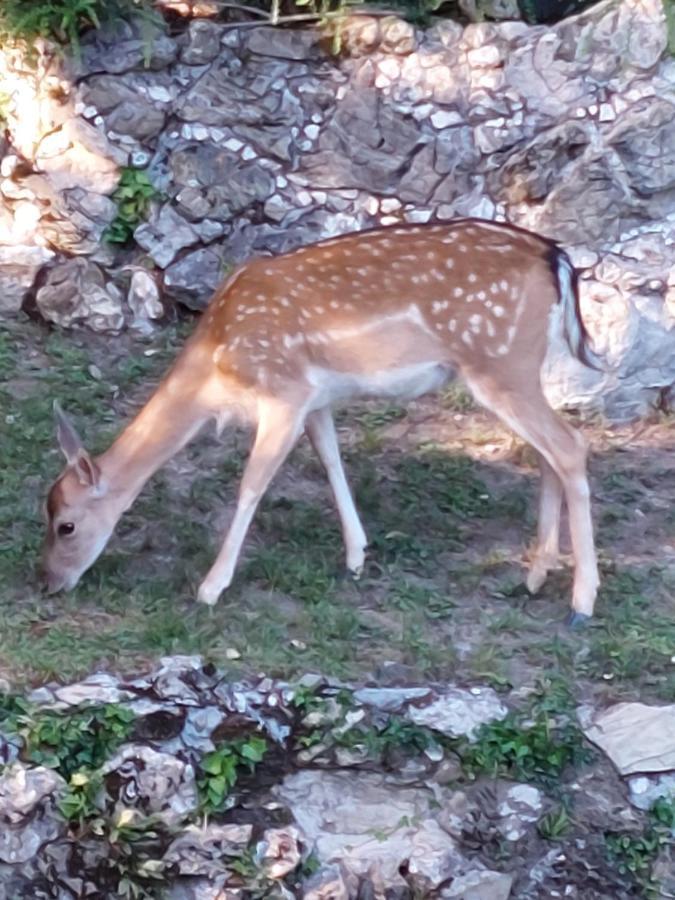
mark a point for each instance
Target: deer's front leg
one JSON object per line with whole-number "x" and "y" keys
{"x": 278, "y": 430}
{"x": 320, "y": 429}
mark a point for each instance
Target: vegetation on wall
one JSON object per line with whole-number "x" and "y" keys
{"x": 132, "y": 195}
{"x": 64, "y": 21}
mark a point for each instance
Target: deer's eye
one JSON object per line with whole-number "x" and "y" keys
{"x": 65, "y": 528}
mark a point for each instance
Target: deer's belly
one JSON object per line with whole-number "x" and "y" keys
{"x": 404, "y": 382}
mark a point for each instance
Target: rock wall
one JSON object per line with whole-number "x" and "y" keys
{"x": 259, "y": 140}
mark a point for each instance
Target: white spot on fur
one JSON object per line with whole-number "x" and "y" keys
{"x": 498, "y": 311}
{"x": 472, "y": 277}
{"x": 458, "y": 292}
{"x": 502, "y": 350}
{"x": 467, "y": 338}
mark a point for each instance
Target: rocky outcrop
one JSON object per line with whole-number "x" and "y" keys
{"x": 258, "y": 141}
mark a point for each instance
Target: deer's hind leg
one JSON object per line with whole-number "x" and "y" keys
{"x": 547, "y": 549}
{"x": 525, "y": 409}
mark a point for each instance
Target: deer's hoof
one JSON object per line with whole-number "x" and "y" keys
{"x": 208, "y": 595}
{"x": 576, "y": 620}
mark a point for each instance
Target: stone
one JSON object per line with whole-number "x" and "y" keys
{"x": 199, "y": 725}
{"x": 77, "y": 155}
{"x": 24, "y": 791}
{"x": 397, "y": 36}
{"x": 390, "y": 699}
{"x": 445, "y": 118}
{"x": 279, "y": 851}
{"x": 203, "y": 42}
{"x": 122, "y": 45}
{"x": 635, "y": 736}
{"x": 458, "y": 712}
{"x": 366, "y": 823}
{"x": 201, "y": 889}
{"x": 164, "y": 234}
{"x": 193, "y": 278}
{"x": 143, "y": 297}
{"x": 98, "y": 688}
{"x": 18, "y": 267}
{"x": 326, "y": 884}
{"x": 205, "y": 850}
{"x": 138, "y": 119}
{"x": 75, "y": 291}
{"x": 280, "y": 43}
{"x": 154, "y": 782}
{"x": 360, "y": 35}
{"x": 479, "y": 885}
{"x": 221, "y": 185}
{"x": 519, "y": 805}
{"x": 645, "y": 790}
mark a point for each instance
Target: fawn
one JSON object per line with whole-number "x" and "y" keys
{"x": 394, "y": 312}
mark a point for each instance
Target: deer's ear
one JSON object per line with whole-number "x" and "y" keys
{"x": 69, "y": 440}
{"x": 72, "y": 448}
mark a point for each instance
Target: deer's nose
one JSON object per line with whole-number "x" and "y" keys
{"x": 50, "y": 582}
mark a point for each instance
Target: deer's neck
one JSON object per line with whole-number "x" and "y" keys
{"x": 168, "y": 421}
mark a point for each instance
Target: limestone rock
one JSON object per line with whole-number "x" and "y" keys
{"x": 368, "y": 824}
{"x": 143, "y": 297}
{"x": 203, "y": 42}
{"x": 279, "y": 851}
{"x": 164, "y": 235}
{"x": 136, "y": 118}
{"x": 18, "y": 267}
{"x": 479, "y": 885}
{"x": 75, "y": 291}
{"x": 122, "y": 46}
{"x": 458, "y": 711}
{"x": 23, "y": 791}
{"x": 193, "y": 278}
{"x": 157, "y": 783}
{"x": 206, "y": 850}
{"x": 635, "y": 736}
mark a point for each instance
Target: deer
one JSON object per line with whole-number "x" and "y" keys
{"x": 396, "y": 312}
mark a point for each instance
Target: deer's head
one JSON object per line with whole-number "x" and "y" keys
{"x": 79, "y": 521}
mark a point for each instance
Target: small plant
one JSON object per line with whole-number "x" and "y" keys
{"x": 535, "y": 745}
{"x": 132, "y": 195}
{"x": 75, "y": 741}
{"x": 220, "y": 769}
{"x": 663, "y": 813}
{"x": 633, "y": 855}
{"x": 396, "y": 735}
{"x": 78, "y": 804}
{"x": 554, "y": 824}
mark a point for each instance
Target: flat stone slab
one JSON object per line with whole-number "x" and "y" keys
{"x": 635, "y": 736}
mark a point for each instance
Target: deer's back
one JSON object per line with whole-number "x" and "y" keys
{"x": 389, "y": 299}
